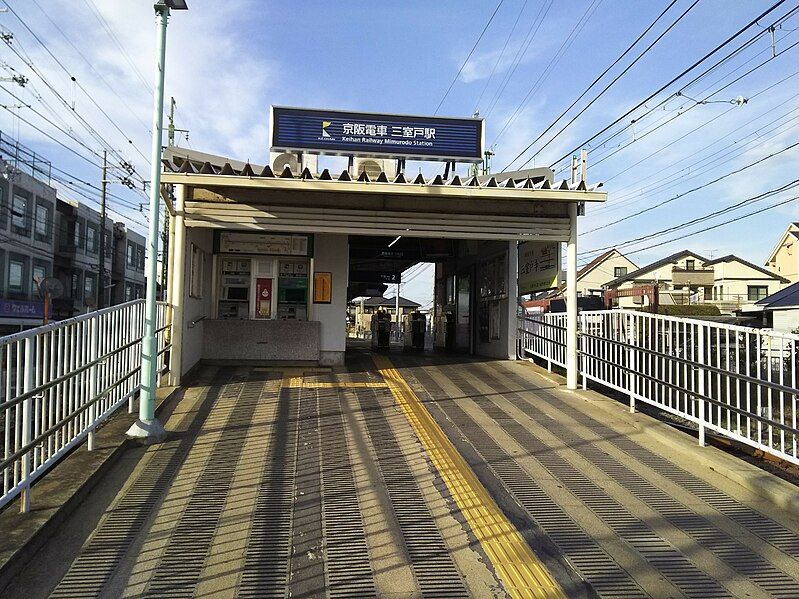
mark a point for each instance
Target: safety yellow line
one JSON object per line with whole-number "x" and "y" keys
{"x": 517, "y": 566}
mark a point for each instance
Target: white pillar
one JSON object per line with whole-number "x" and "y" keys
{"x": 170, "y": 267}
{"x": 177, "y": 279}
{"x": 571, "y": 300}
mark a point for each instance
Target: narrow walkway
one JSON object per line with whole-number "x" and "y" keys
{"x": 412, "y": 476}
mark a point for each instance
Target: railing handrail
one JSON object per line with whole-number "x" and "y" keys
{"x": 56, "y": 324}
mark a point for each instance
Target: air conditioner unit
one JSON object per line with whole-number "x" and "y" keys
{"x": 374, "y": 166}
{"x": 280, "y": 160}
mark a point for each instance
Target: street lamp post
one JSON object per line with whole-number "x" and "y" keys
{"x": 147, "y": 428}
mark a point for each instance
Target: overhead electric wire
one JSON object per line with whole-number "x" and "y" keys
{"x": 682, "y": 74}
{"x": 460, "y": 70}
{"x": 694, "y": 189}
{"x": 565, "y": 45}
{"x": 99, "y": 75}
{"x": 607, "y": 87}
{"x": 501, "y": 55}
{"x": 716, "y": 226}
{"x": 696, "y": 220}
{"x": 78, "y": 83}
{"x": 520, "y": 53}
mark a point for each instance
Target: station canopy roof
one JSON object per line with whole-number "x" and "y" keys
{"x": 236, "y": 195}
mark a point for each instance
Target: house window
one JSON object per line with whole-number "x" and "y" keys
{"x": 39, "y": 274}
{"x": 128, "y": 292}
{"x": 197, "y": 269}
{"x": 619, "y": 271}
{"x": 43, "y": 226}
{"x": 131, "y": 255}
{"x": 690, "y": 264}
{"x": 75, "y": 284}
{"x": 20, "y": 215}
{"x": 756, "y": 292}
{"x": 3, "y": 204}
{"x": 89, "y": 286}
{"x": 92, "y": 236}
{"x": 140, "y": 257}
{"x": 16, "y": 274}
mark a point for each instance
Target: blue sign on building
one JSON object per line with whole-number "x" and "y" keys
{"x": 21, "y": 309}
{"x": 376, "y": 135}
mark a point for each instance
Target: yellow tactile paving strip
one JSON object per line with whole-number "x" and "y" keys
{"x": 521, "y": 572}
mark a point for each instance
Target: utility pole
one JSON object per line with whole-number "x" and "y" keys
{"x": 101, "y": 270}
{"x": 170, "y": 132}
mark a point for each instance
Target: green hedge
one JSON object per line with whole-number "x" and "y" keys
{"x": 690, "y": 310}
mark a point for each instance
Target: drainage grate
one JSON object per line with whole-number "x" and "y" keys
{"x": 779, "y": 536}
{"x": 349, "y": 570}
{"x": 592, "y": 562}
{"x": 101, "y": 556}
{"x": 654, "y": 549}
{"x": 181, "y": 565}
{"x": 266, "y": 561}
{"x": 429, "y": 556}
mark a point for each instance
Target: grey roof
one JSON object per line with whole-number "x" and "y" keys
{"x": 784, "y": 298}
{"x": 731, "y": 257}
{"x": 181, "y": 160}
{"x": 663, "y": 262}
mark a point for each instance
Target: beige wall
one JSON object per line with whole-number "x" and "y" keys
{"x": 786, "y": 258}
{"x": 592, "y": 282}
{"x": 195, "y": 308}
{"x": 786, "y": 320}
{"x": 735, "y": 278}
{"x": 331, "y": 254}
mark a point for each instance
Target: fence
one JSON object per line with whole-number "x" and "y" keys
{"x": 60, "y": 381}
{"x": 736, "y": 381}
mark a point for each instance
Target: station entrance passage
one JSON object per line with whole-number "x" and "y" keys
{"x": 414, "y": 475}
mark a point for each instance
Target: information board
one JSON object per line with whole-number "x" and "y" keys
{"x": 369, "y": 134}
{"x": 539, "y": 266}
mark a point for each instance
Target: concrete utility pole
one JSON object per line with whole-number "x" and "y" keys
{"x": 101, "y": 269}
{"x": 147, "y": 428}
{"x": 571, "y": 290}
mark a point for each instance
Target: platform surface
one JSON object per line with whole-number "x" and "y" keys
{"x": 414, "y": 476}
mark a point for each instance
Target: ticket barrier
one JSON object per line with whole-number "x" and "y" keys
{"x": 381, "y": 330}
{"x": 415, "y": 328}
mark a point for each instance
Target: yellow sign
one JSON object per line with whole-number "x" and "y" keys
{"x": 539, "y": 266}
{"x": 322, "y": 287}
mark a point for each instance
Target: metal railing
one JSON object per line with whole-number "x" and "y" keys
{"x": 736, "y": 381}
{"x": 59, "y": 382}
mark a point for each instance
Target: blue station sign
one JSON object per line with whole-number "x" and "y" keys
{"x": 367, "y": 134}
{"x": 21, "y": 309}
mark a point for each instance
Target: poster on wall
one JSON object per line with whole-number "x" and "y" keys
{"x": 263, "y": 298}
{"x": 539, "y": 266}
{"x": 322, "y": 287}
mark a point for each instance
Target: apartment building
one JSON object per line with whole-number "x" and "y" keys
{"x": 127, "y": 275}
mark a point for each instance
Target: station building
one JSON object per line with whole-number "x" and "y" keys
{"x": 263, "y": 259}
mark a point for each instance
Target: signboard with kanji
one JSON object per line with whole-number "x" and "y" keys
{"x": 539, "y": 266}
{"x": 338, "y": 132}
{"x": 263, "y": 298}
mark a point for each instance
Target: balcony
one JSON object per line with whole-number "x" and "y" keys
{"x": 681, "y": 277}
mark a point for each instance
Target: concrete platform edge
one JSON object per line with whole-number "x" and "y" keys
{"x": 24, "y": 554}
{"x": 768, "y": 486}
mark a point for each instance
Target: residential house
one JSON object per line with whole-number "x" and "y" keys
{"x": 686, "y": 277}
{"x": 361, "y": 311}
{"x": 779, "y": 310}
{"x": 784, "y": 258}
{"x": 127, "y": 273}
{"x": 611, "y": 265}
{"x": 27, "y": 207}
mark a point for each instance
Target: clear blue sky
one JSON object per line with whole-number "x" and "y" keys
{"x": 227, "y": 62}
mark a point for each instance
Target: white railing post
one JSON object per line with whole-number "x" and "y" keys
{"x": 632, "y": 356}
{"x": 28, "y": 371}
{"x": 700, "y": 384}
{"x": 93, "y": 392}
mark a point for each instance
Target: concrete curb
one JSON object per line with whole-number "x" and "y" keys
{"x": 28, "y": 548}
{"x": 777, "y": 491}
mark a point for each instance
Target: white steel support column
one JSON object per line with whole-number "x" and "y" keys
{"x": 147, "y": 428}
{"x": 571, "y": 300}
{"x": 177, "y": 282}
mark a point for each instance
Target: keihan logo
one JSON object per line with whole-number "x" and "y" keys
{"x": 325, "y": 125}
